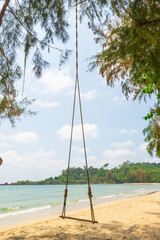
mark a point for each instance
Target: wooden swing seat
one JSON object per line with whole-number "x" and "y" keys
{"x": 78, "y": 219}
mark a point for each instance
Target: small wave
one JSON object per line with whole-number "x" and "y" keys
{"x": 109, "y": 196}
{"x": 144, "y": 191}
{"x": 149, "y": 191}
{"x": 155, "y": 191}
{"x": 83, "y": 200}
{"x": 139, "y": 190}
{"x": 10, "y": 209}
{"x": 31, "y": 210}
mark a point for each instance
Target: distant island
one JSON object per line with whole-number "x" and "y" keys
{"x": 128, "y": 172}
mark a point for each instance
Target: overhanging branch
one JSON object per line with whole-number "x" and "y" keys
{"x": 3, "y": 10}
{"x": 148, "y": 22}
{"x": 43, "y": 43}
{"x": 3, "y": 54}
{"x": 7, "y": 90}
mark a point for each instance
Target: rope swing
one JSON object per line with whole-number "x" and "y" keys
{"x": 84, "y": 144}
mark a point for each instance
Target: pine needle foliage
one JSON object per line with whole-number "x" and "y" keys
{"x": 130, "y": 43}
{"x": 127, "y": 30}
{"x": 19, "y": 21}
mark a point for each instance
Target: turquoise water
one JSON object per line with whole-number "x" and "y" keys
{"x": 21, "y": 202}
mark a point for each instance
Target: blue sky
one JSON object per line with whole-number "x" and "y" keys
{"x": 37, "y": 147}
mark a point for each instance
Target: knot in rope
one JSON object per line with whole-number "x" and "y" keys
{"x": 65, "y": 192}
{"x": 89, "y": 192}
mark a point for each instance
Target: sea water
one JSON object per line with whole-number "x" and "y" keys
{"x": 19, "y": 203}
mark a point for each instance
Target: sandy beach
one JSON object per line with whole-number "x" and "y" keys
{"x": 135, "y": 218}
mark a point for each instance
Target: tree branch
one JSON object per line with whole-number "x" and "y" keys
{"x": 126, "y": 11}
{"x": 140, "y": 23}
{"x": 3, "y": 78}
{"x": 3, "y": 10}
{"x": 45, "y": 44}
{"x": 3, "y": 54}
{"x": 148, "y": 22}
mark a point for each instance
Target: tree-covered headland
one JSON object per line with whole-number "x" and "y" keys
{"x": 128, "y": 172}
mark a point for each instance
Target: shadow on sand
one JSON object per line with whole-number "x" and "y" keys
{"x": 81, "y": 231}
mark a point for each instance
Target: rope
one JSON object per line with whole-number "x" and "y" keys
{"x": 71, "y": 136}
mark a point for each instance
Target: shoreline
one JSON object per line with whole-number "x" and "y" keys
{"x": 36, "y": 213}
{"x": 127, "y": 211}
{"x": 10, "y": 184}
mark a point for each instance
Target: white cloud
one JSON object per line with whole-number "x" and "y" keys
{"x": 133, "y": 131}
{"x": 80, "y": 161}
{"x": 91, "y": 158}
{"x": 4, "y": 144}
{"x": 91, "y": 130}
{"x": 124, "y": 131}
{"x": 89, "y": 95}
{"x": 81, "y": 150}
{"x": 116, "y": 157}
{"x": 151, "y": 160}
{"x": 25, "y": 137}
{"x": 33, "y": 166}
{"x": 46, "y": 104}
{"x": 22, "y": 137}
{"x": 2, "y": 137}
{"x": 142, "y": 147}
{"x": 121, "y": 144}
{"x": 35, "y": 159}
{"x": 56, "y": 81}
{"x": 119, "y": 100}
{"x": 155, "y": 160}
{"x": 74, "y": 148}
{"x": 112, "y": 154}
